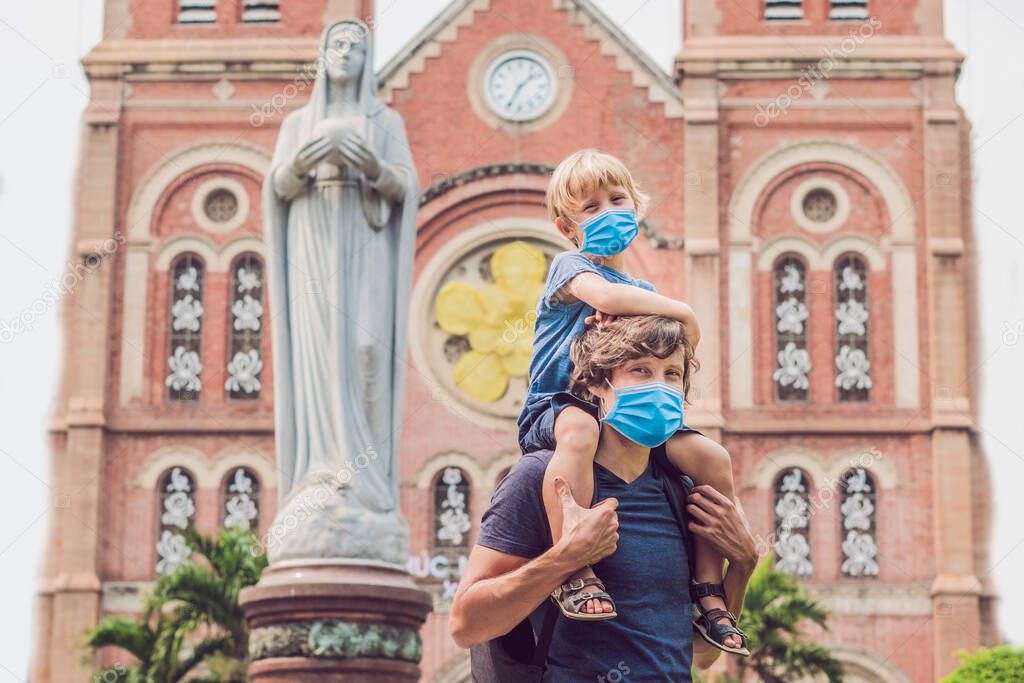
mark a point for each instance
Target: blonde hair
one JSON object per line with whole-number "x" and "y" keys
{"x": 583, "y": 171}
{"x": 599, "y": 350}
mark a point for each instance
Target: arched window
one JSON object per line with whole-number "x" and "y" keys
{"x": 451, "y": 528}
{"x": 793, "y": 523}
{"x": 177, "y": 509}
{"x": 845, "y": 10}
{"x": 186, "y": 330}
{"x": 853, "y": 369}
{"x": 792, "y": 357}
{"x": 197, "y": 11}
{"x": 245, "y": 347}
{"x": 860, "y": 554}
{"x": 241, "y": 500}
{"x": 780, "y": 10}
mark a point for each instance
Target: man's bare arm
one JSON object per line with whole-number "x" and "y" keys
{"x": 499, "y": 590}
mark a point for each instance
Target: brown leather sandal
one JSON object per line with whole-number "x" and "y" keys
{"x": 572, "y": 596}
{"x": 707, "y": 623}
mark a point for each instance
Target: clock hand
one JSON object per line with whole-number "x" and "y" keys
{"x": 519, "y": 87}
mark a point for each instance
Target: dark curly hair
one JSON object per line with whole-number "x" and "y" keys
{"x": 600, "y": 349}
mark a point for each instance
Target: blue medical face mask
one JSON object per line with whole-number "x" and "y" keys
{"x": 609, "y": 232}
{"x": 646, "y": 413}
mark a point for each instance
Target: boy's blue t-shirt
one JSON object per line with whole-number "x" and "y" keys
{"x": 558, "y": 323}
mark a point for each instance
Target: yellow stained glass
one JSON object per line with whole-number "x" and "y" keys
{"x": 458, "y": 308}
{"x": 481, "y": 375}
{"x": 498, "y": 321}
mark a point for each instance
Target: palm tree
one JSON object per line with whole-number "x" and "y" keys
{"x": 192, "y": 617}
{"x": 774, "y": 608}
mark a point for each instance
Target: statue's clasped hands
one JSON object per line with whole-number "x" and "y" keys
{"x": 337, "y": 144}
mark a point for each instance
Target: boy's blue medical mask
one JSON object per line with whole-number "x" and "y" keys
{"x": 646, "y": 413}
{"x": 609, "y": 232}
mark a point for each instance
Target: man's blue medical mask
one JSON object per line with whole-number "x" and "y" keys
{"x": 646, "y": 413}
{"x": 609, "y": 232}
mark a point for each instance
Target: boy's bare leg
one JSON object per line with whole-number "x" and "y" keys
{"x": 706, "y": 462}
{"x": 576, "y": 436}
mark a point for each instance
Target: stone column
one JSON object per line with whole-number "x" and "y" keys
{"x": 956, "y": 588}
{"x": 701, "y": 218}
{"x": 324, "y": 622}
{"x": 69, "y": 594}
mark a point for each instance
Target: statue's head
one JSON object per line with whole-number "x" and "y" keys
{"x": 345, "y": 51}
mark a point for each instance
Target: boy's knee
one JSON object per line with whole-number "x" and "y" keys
{"x": 718, "y": 456}
{"x": 576, "y": 430}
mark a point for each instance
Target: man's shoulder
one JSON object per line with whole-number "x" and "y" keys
{"x": 515, "y": 522}
{"x": 529, "y": 470}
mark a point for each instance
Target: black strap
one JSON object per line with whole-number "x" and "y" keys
{"x": 677, "y": 489}
{"x": 540, "y": 652}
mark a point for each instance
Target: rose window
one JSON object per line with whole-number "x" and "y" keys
{"x": 484, "y": 310}
{"x": 221, "y": 206}
{"x": 820, "y": 205}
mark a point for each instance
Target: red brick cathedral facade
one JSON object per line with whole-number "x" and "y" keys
{"x": 809, "y": 171}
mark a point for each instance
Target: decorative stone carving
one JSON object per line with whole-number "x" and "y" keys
{"x": 335, "y": 639}
{"x": 791, "y": 315}
{"x": 240, "y": 508}
{"x": 185, "y": 332}
{"x": 858, "y": 513}
{"x": 852, "y": 366}
{"x": 243, "y": 372}
{"x": 851, "y": 316}
{"x": 792, "y": 524}
{"x": 453, "y": 518}
{"x": 247, "y": 312}
{"x": 246, "y": 364}
{"x": 794, "y": 364}
{"x": 184, "y": 369}
{"x": 177, "y": 508}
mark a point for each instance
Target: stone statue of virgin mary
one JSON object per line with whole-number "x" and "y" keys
{"x": 340, "y": 214}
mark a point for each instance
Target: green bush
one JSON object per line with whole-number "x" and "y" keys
{"x": 997, "y": 665}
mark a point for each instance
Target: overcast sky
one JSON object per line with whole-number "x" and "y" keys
{"x": 42, "y": 96}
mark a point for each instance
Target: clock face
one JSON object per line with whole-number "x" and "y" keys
{"x": 519, "y": 85}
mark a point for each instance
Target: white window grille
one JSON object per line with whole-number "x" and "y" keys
{"x": 259, "y": 12}
{"x": 197, "y": 11}
{"x": 848, "y": 10}
{"x": 245, "y": 349}
{"x": 184, "y": 364}
{"x": 782, "y": 10}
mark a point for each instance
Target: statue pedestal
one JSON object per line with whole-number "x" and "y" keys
{"x": 330, "y": 621}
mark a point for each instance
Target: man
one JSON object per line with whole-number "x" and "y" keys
{"x": 629, "y": 533}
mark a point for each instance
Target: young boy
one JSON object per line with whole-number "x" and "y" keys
{"x": 594, "y": 203}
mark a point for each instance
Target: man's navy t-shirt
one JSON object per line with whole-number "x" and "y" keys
{"x": 648, "y": 576}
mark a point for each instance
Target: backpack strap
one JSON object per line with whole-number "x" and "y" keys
{"x": 677, "y": 489}
{"x": 547, "y": 630}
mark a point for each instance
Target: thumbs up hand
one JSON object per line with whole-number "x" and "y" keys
{"x": 588, "y": 534}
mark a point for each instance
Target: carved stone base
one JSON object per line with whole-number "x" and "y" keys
{"x": 330, "y": 621}
{"x": 322, "y": 519}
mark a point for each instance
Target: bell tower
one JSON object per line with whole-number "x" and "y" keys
{"x": 828, "y": 176}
